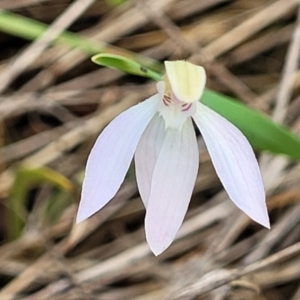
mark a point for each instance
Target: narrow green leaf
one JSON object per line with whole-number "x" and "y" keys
{"x": 124, "y": 64}
{"x": 26, "y": 178}
{"x": 54, "y": 206}
{"x": 30, "y": 29}
{"x": 262, "y": 132}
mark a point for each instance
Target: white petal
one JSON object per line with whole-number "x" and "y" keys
{"x": 173, "y": 180}
{"x": 146, "y": 155}
{"x": 235, "y": 163}
{"x": 111, "y": 155}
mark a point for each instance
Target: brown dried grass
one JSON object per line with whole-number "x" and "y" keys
{"x": 54, "y": 105}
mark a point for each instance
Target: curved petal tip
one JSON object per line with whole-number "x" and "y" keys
{"x": 157, "y": 246}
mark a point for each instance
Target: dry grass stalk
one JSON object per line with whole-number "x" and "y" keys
{"x": 48, "y": 118}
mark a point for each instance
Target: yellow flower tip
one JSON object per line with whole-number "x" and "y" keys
{"x": 187, "y": 81}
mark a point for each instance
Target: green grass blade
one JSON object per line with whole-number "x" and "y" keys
{"x": 25, "y": 179}
{"x": 30, "y": 29}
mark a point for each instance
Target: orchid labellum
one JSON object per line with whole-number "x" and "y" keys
{"x": 159, "y": 134}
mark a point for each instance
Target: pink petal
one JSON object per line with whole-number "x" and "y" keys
{"x": 111, "y": 155}
{"x": 235, "y": 163}
{"x": 146, "y": 155}
{"x": 172, "y": 185}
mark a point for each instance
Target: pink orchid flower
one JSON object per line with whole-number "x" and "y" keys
{"x": 159, "y": 133}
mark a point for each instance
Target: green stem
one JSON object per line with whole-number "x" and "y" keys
{"x": 30, "y": 29}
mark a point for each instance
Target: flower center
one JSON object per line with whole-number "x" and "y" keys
{"x": 175, "y": 112}
{"x": 184, "y": 106}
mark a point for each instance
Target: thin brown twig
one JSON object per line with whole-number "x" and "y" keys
{"x": 35, "y": 49}
{"x": 216, "y": 279}
{"x": 290, "y": 67}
